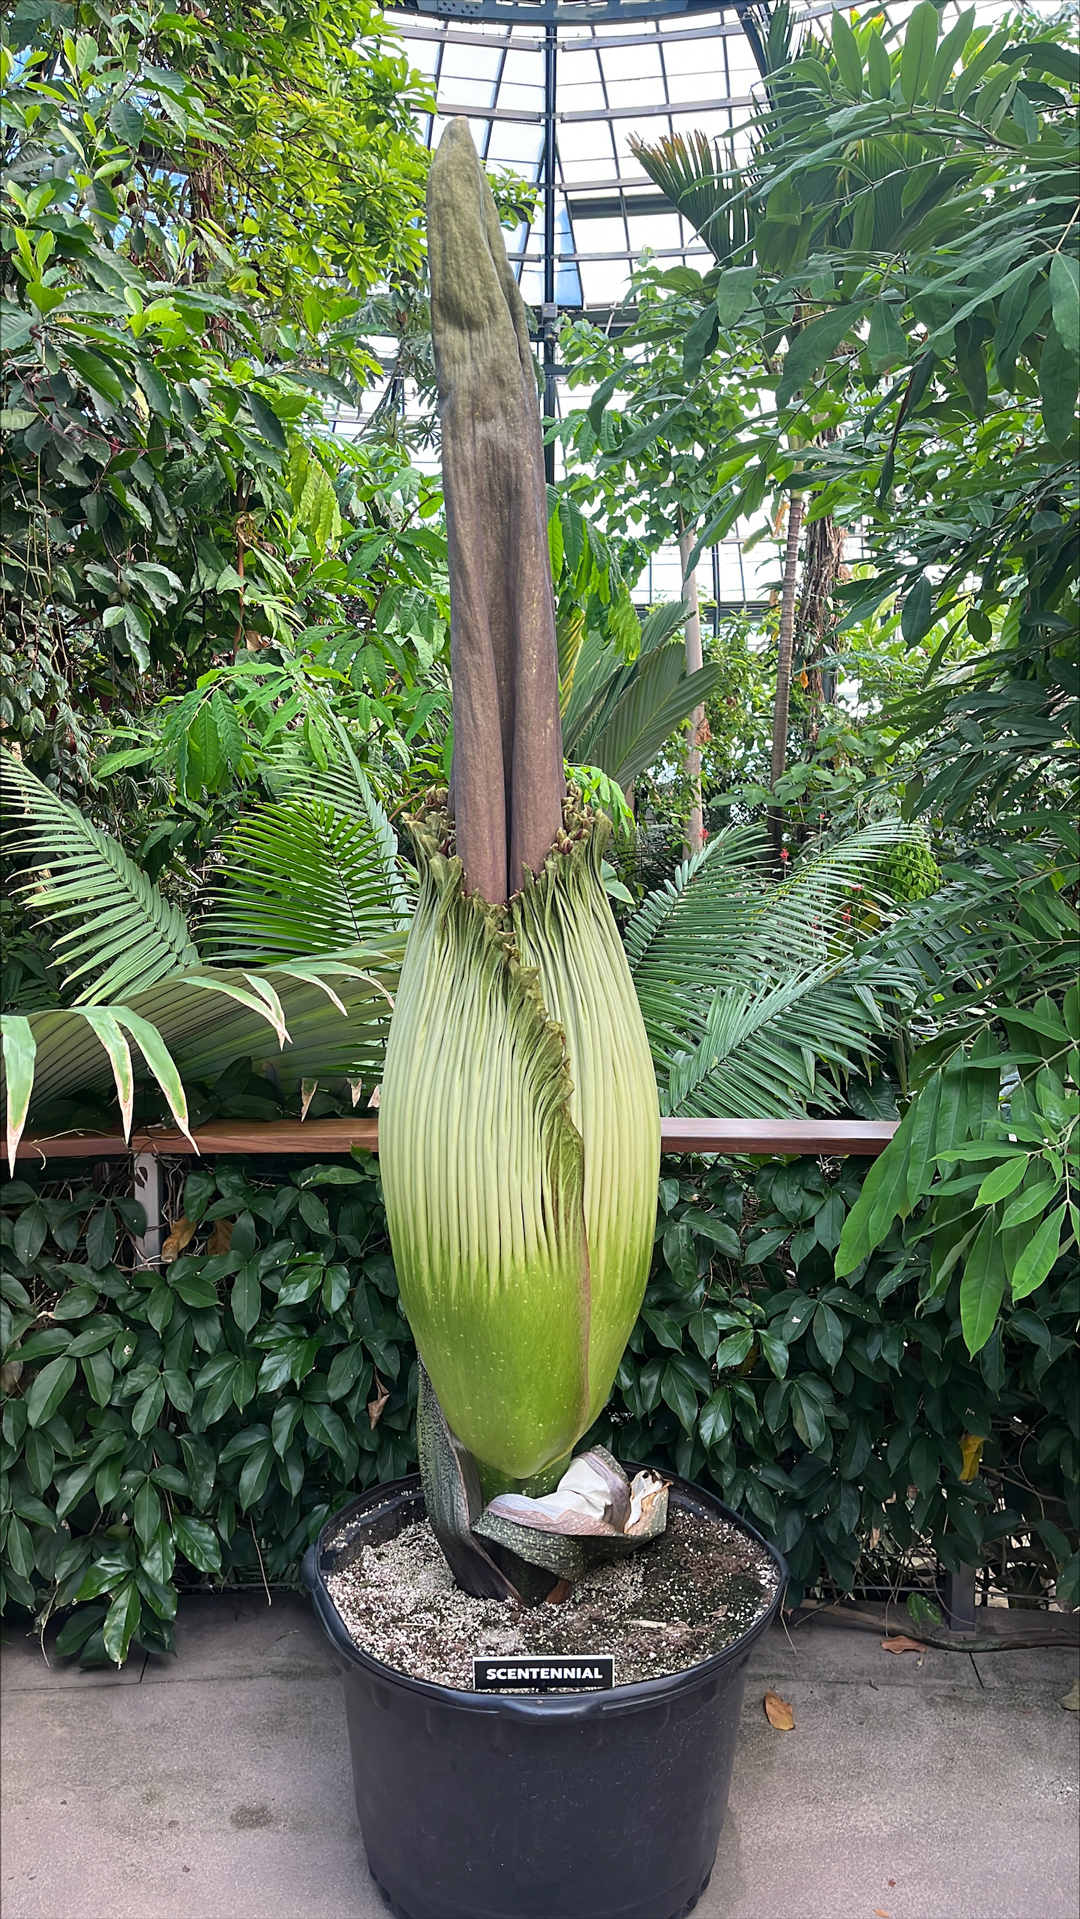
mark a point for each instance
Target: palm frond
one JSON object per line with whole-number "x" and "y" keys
{"x": 746, "y": 986}
{"x": 620, "y": 712}
{"x": 661, "y": 697}
{"x": 729, "y": 857}
{"x": 345, "y": 786}
{"x": 688, "y": 169}
{"x": 317, "y": 872}
{"x": 300, "y": 877}
{"x": 601, "y": 674}
{"x": 125, "y": 933}
{"x": 660, "y": 624}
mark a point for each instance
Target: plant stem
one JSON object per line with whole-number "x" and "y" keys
{"x": 695, "y": 837}
{"x": 783, "y": 664}
{"x": 493, "y": 1482}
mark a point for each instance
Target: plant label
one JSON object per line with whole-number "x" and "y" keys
{"x": 545, "y": 1672}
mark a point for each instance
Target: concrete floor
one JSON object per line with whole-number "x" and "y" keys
{"x": 217, "y": 1785}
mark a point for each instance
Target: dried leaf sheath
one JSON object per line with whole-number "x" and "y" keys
{"x": 483, "y": 1179}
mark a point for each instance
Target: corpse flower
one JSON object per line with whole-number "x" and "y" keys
{"x": 519, "y": 1123}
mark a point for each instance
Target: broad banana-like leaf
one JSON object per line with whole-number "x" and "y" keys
{"x": 18, "y": 1051}
{"x": 520, "y": 1144}
{"x": 325, "y": 1017}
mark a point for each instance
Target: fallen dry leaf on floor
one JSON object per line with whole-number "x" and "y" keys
{"x": 180, "y": 1233}
{"x": 900, "y": 1644}
{"x": 878, "y": 1914}
{"x": 1071, "y": 1701}
{"x": 779, "y": 1713}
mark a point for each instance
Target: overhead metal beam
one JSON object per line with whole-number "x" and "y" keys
{"x": 446, "y": 110}
{"x": 563, "y": 13}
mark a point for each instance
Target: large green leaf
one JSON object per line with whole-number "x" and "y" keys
{"x": 632, "y": 730}
{"x": 19, "y": 1052}
{"x": 191, "y": 1026}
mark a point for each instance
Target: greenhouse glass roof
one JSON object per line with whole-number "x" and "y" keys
{"x": 556, "y": 88}
{"x": 553, "y": 91}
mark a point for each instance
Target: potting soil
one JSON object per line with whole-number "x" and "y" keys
{"x": 661, "y": 1610}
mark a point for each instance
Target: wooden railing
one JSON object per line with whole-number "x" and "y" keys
{"x": 315, "y": 1137}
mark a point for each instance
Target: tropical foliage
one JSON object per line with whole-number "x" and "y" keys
{"x": 175, "y": 306}
{"x": 756, "y": 999}
{"x": 200, "y": 1419}
{"x": 226, "y": 695}
{"x": 197, "y": 1422}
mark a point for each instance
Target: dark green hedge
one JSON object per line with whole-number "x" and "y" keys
{"x": 200, "y": 1422}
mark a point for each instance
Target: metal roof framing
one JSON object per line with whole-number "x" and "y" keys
{"x": 571, "y": 28}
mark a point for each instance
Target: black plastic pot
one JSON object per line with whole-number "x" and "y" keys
{"x": 587, "y": 1806}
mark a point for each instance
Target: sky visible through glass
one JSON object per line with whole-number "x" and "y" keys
{"x": 676, "y": 73}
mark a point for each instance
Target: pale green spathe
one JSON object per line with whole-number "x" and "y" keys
{"x": 519, "y": 1139}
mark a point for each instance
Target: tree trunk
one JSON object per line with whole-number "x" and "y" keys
{"x": 783, "y": 664}
{"x": 823, "y": 565}
{"x": 695, "y": 837}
